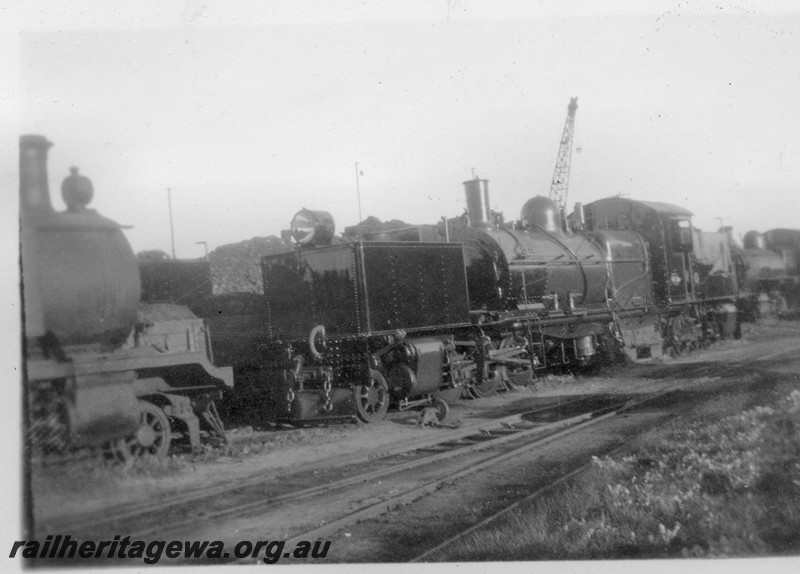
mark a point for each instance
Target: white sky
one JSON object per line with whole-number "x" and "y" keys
{"x": 251, "y": 110}
{"x": 253, "y": 113}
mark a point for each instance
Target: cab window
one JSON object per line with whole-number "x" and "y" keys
{"x": 681, "y": 235}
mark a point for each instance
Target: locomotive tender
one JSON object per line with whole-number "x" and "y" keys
{"x": 347, "y": 329}
{"x": 100, "y": 368}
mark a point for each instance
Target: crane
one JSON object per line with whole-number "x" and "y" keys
{"x": 560, "y": 185}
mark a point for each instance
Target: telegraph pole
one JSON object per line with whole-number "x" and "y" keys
{"x": 358, "y": 194}
{"x": 171, "y": 227}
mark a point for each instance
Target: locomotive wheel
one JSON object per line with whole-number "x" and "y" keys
{"x": 49, "y": 429}
{"x": 442, "y": 409}
{"x": 489, "y": 386}
{"x": 372, "y": 400}
{"x": 672, "y": 342}
{"x": 516, "y": 374}
{"x": 153, "y": 437}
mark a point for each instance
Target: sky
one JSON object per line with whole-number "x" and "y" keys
{"x": 250, "y": 111}
{"x": 249, "y": 115}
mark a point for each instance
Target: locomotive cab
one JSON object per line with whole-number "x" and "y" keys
{"x": 693, "y": 276}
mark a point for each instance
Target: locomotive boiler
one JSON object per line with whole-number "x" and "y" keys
{"x": 538, "y": 269}
{"x": 80, "y": 291}
{"x": 100, "y": 367}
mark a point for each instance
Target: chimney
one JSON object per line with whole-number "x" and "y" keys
{"x": 477, "y": 192}
{"x": 34, "y": 192}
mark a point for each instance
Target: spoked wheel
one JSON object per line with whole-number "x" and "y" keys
{"x": 442, "y": 410}
{"x": 522, "y": 371}
{"x": 48, "y": 432}
{"x": 673, "y": 343}
{"x": 491, "y": 375}
{"x": 488, "y": 386}
{"x": 153, "y": 436}
{"x": 372, "y": 399}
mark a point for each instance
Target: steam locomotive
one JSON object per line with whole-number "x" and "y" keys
{"x": 99, "y": 367}
{"x": 417, "y": 316}
{"x": 414, "y": 317}
{"x": 770, "y": 273}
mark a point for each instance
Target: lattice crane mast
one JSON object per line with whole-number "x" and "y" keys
{"x": 560, "y": 185}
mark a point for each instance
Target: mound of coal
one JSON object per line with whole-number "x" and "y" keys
{"x": 373, "y": 225}
{"x": 236, "y": 268}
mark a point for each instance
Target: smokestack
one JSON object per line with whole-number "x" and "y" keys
{"x": 34, "y": 192}
{"x": 34, "y": 201}
{"x": 477, "y": 192}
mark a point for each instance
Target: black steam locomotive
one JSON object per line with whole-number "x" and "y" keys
{"x": 420, "y": 315}
{"x": 413, "y": 317}
{"x": 100, "y": 367}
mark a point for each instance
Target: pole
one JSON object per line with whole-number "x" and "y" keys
{"x": 171, "y": 227}
{"x": 358, "y": 193}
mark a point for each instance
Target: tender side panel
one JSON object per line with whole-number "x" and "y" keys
{"x": 414, "y": 285}
{"x": 312, "y": 287}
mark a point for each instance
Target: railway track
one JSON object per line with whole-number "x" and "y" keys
{"x": 464, "y": 451}
{"x": 511, "y": 445}
{"x": 438, "y": 552}
{"x": 265, "y": 493}
{"x": 178, "y": 503}
{"x": 430, "y": 554}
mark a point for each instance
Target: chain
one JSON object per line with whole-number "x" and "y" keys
{"x": 326, "y": 386}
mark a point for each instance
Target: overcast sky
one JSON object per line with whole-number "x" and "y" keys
{"x": 250, "y": 115}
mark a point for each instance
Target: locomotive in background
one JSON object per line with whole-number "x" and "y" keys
{"x": 770, "y": 273}
{"x": 100, "y": 367}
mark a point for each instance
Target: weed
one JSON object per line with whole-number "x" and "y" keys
{"x": 712, "y": 488}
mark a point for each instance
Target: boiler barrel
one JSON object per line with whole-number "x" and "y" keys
{"x": 80, "y": 276}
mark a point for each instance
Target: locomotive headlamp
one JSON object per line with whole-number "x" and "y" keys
{"x": 313, "y": 228}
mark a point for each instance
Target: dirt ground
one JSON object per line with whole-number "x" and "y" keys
{"x": 59, "y": 492}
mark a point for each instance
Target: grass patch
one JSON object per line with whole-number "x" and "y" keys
{"x": 718, "y": 485}
{"x": 78, "y": 476}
